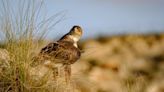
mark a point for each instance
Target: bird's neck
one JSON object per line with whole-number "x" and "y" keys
{"x": 75, "y": 40}
{"x": 70, "y": 38}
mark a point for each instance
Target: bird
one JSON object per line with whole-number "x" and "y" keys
{"x": 64, "y": 51}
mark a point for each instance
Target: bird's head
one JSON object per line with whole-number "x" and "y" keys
{"x": 75, "y": 33}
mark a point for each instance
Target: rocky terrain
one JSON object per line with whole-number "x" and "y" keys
{"x": 129, "y": 63}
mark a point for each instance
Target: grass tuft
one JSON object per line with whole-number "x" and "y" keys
{"x": 23, "y": 26}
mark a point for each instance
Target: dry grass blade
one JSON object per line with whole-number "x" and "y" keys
{"x": 22, "y": 28}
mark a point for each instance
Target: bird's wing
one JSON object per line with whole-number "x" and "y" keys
{"x": 50, "y": 47}
{"x": 57, "y": 51}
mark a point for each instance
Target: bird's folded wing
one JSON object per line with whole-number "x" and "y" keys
{"x": 57, "y": 51}
{"x": 50, "y": 47}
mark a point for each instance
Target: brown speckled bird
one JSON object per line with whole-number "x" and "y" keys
{"x": 65, "y": 51}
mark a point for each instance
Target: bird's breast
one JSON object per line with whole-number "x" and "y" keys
{"x": 74, "y": 55}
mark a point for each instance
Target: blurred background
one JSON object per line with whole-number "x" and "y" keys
{"x": 123, "y": 41}
{"x": 109, "y": 17}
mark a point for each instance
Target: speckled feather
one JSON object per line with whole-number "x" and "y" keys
{"x": 62, "y": 50}
{"x": 65, "y": 51}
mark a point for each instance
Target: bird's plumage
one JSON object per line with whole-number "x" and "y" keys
{"x": 62, "y": 51}
{"x": 65, "y": 50}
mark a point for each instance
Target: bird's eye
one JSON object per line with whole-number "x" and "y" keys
{"x": 77, "y": 30}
